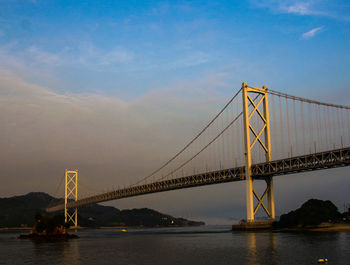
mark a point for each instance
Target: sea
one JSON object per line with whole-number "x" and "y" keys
{"x": 212, "y": 245}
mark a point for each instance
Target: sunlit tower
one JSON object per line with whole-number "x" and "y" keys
{"x": 71, "y": 192}
{"x": 258, "y": 134}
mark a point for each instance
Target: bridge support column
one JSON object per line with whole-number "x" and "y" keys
{"x": 71, "y": 192}
{"x": 252, "y": 107}
{"x": 270, "y": 198}
{"x": 249, "y": 198}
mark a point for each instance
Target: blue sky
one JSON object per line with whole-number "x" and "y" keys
{"x": 126, "y": 48}
{"x": 115, "y": 89}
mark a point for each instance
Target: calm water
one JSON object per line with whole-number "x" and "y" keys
{"x": 202, "y": 245}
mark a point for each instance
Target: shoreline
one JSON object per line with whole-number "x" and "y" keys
{"x": 264, "y": 227}
{"x": 14, "y": 228}
{"x": 101, "y": 227}
{"x": 330, "y": 228}
{"x": 321, "y": 228}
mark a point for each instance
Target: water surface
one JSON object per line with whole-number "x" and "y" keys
{"x": 167, "y": 246}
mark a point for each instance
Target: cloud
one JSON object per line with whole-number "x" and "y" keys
{"x": 193, "y": 59}
{"x": 324, "y": 8}
{"x": 311, "y": 33}
{"x": 43, "y": 57}
{"x": 117, "y": 55}
{"x": 89, "y": 54}
{"x": 302, "y": 8}
{"x": 289, "y": 6}
{"x": 86, "y": 54}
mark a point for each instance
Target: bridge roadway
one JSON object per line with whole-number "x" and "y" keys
{"x": 316, "y": 161}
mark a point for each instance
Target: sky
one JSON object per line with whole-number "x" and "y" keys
{"x": 115, "y": 88}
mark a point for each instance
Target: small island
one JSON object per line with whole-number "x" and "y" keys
{"x": 49, "y": 228}
{"x": 314, "y": 215}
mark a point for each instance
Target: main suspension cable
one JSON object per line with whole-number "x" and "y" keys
{"x": 186, "y": 146}
{"x": 273, "y": 92}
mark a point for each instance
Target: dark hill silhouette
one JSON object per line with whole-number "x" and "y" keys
{"x": 311, "y": 213}
{"x": 21, "y": 211}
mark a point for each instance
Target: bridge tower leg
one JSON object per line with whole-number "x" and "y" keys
{"x": 254, "y": 136}
{"x": 71, "y": 192}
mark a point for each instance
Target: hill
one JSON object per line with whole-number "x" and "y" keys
{"x": 311, "y": 213}
{"x": 21, "y": 211}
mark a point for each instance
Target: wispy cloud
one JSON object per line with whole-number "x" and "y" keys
{"x": 44, "y": 57}
{"x": 288, "y": 6}
{"x": 311, "y": 33}
{"x": 325, "y": 8}
{"x": 89, "y": 54}
{"x": 193, "y": 59}
{"x": 85, "y": 55}
{"x": 302, "y": 8}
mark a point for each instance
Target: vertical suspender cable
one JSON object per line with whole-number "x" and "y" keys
{"x": 200, "y": 159}
{"x": 295, "y": 129}
{"x": 254, "y": 122}
{"x": 317, "y": 131}
{"x": 348, "y": 122}
{"x": 218, "y": 145}
{"x": 338, "y": 127}
{"x": 197, "y": 161}
{"x": 208, "y": 153}
{"x": 217, "y": 153}
{"x": 325, "y": 127}
{"x": 256, "y": 128}
{"x": 281, "y": 126}
{"x": 229, "y": 150}
{"x": 212, "y": 148}
{"x": 233, "y": 134}
{"x": 288, "y": 130}
{"x": 228, "y": 157}
{"x": 192, "y": 163}
{"x": 329, "y": 127}
{"x": 223, "y": 141}
{"x": 303, "y": 126}
{"x": 334, "y": 129}
{"x": 311, "y": 127}
{"x": 191, "y": 152}
{"x": 224, "y": 135}
{"x": 274, "y": 134}
{"x": 211, "y": 153}
{"x": 238, "y": 138}
{"x": 239, "y": 130}
{"x": 342, "y": 125}
{"x": 319, "y": 127}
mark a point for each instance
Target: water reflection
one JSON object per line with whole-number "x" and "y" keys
{"x": 260, "y": 246}
{"x": 61, "y": 252}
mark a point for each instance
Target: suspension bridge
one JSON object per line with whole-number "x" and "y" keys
{"x": 259, "y": 134}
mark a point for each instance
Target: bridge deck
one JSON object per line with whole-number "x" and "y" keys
{"x": 316, "y": 161}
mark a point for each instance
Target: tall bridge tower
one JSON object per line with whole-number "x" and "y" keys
{"x": 71, "y": 192}
{"x": 261, "y": 137}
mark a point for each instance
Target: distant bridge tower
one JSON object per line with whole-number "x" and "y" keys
{"x": 71, "y": 192}
{"x": 261, "y": 137}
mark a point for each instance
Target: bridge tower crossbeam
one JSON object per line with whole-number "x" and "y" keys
{"x": 262, "y": 137}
